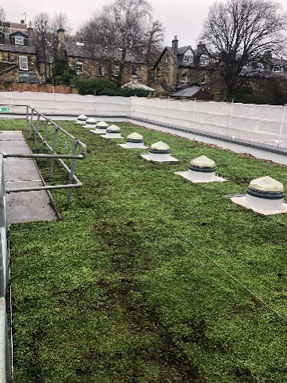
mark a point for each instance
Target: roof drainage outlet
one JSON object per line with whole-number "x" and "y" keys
{"x": 265, "y": 194}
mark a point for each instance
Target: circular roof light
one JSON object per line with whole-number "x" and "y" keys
{"x": 203, "y": 162}
{"x": 159, "y": 147}
{"x": 266, "y": 184}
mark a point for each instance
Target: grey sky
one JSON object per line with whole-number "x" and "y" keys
{"x": 181, "y": 17}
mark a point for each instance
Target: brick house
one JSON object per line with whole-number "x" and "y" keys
{"x": 180, "y": 67}
{"x": 18, "y": 61}
{"x": 100, "y": 63}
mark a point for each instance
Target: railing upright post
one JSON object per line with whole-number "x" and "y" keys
{"x": 27, "y": 117}
{"x": 71, "y": 176}
{"x": 45, "y": 135}
{"x": 31, "y": 123}
{"x": 53, "y": 152}
{"x": 36, "y": 131}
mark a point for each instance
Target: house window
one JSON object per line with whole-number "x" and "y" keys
{"x": 116, "y": 70}
{"x": 204, "y": 60}
{"x": 79, "y": 67}
{"x": 277, "y": 68}
{"x": 101, "y": 70}
{"x": 187, "y": 59}
{"x": 166, "y": 59}
{"x": 203, "y": 78}
{"x": 19, "y": 40}
{"x": 134, "y": 71}
{"x": 23, "y": 62}
{"x": 184, "y": 77}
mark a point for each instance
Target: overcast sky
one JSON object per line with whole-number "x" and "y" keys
{"x": 183, "y": 18}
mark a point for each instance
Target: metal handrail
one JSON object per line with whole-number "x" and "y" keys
{"x": 5, "y": 323}
{"x": 32, "y": 116}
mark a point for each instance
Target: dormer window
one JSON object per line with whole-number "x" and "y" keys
{"x": 277, "y": 68}
{"x": 260, "y": 66}
{"x": 19, "y": 40}
{"x": 187, "y": 59}
{"x": 204, "y": 60}
{"x": 79, "y": 67}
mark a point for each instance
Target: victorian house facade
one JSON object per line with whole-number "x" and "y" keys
{"x": 99, "y": 62}
{"x": 18, "y": 61}
{"x": 180, "y": 67}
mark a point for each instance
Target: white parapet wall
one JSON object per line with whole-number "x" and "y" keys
{"x": 256, "y": 123}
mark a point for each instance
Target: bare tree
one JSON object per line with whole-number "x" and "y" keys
{"x": 2, "y": 15}
{"x": 238, "y": 32}
{"x": 120, "y": 30}
{"x": 154, "y": 42}
{"x": 42, "y": 37}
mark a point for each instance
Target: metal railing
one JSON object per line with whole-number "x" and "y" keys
{"x": 39, "y": 129}
{"x": 5, "y": 304}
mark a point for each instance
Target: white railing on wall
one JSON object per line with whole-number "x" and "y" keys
{"x": 259, "y": 123}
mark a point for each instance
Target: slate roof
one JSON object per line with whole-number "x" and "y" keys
{"x": 9, "y": 47}
{"x": 194, "y": 91}
{"x": 73, "y": 50}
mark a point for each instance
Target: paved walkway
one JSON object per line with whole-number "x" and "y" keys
{"x": 23, "y": 206}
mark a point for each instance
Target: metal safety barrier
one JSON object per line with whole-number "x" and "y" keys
{"x": 5, "y": 304}
{"x": 39, "y": 128}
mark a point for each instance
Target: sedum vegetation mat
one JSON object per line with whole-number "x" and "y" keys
{"x": 114, "y": 293}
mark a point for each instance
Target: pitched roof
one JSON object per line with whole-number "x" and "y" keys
{"x": 82, "y": 51}
{"x": 9, "y": 47}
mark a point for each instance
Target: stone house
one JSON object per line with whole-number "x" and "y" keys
{"x": 179, "y": 67}
{"x": 99, "y": 63}
{"x": 17, "y": 55}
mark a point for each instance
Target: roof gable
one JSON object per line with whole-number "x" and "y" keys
{"x": 18, "y": 33}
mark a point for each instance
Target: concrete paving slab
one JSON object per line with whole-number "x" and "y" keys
{"x": 24, "y": 206}
{"x": 28, "y": 170}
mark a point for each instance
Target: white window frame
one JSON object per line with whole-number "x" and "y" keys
{"x": 79, "y": 67}
{"x": 187, "y": 59}
{"x": 20, "y": 40}
{"x": 21, "y": 63}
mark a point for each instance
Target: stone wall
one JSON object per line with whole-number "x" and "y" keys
{"x": 39, "y": 88}
{"x": 14, "y": 58}
{"x": 91, "y": 68}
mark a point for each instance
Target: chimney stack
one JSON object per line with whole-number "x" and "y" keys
{"x": 61, "y": 38}
{"x": 175, "y": 45}
{"x": 30, "y": 29}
